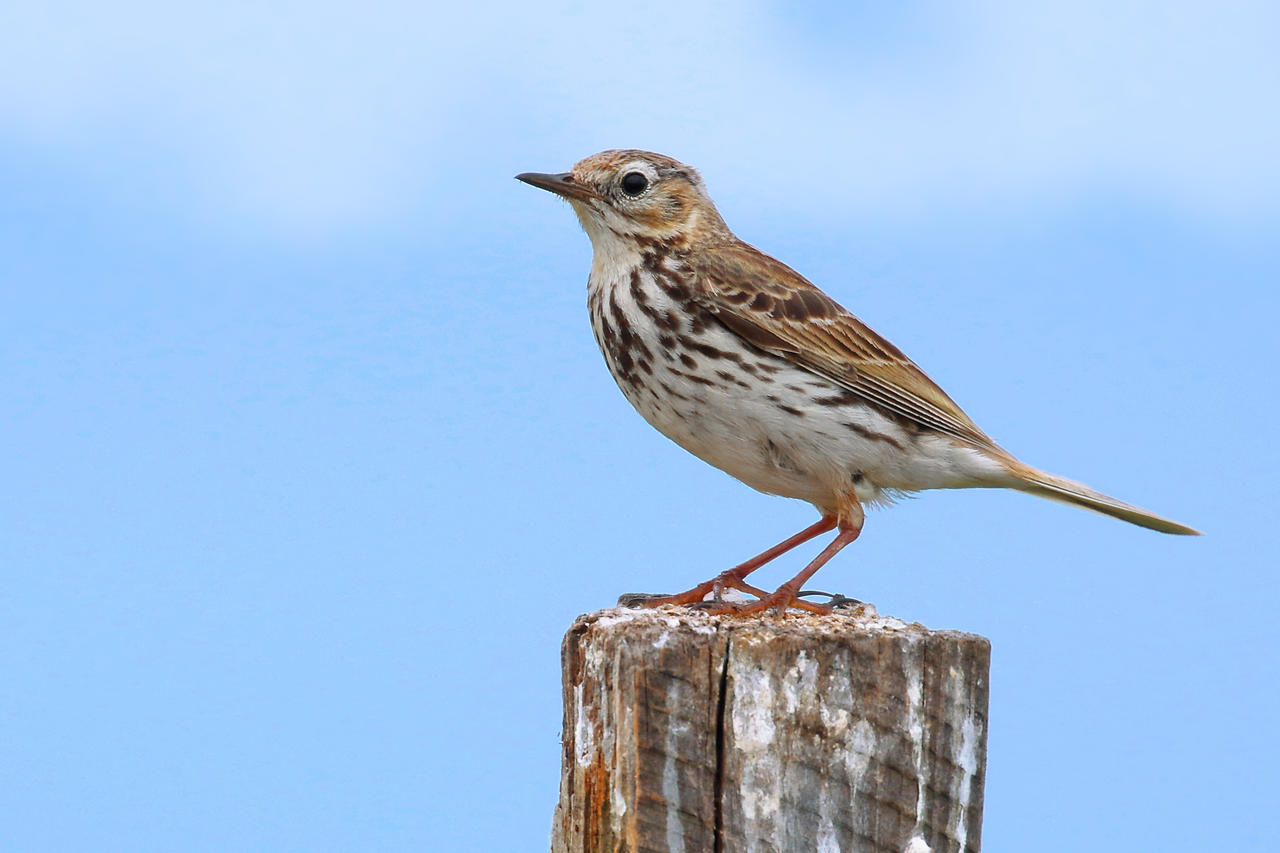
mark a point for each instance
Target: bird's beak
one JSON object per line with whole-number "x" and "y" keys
{"x": 562, "y": 185}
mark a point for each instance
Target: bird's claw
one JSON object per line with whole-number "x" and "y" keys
{"x": 709, "y": 598}
{"x": 636, "y": 599}
{"x": 836, "y": 600}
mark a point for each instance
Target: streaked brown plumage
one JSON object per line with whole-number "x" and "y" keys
{"x": 746, "y": 364}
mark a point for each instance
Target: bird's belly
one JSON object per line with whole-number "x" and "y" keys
{"x": 778, "y": 440}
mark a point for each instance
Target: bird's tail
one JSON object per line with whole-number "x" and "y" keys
{"x": 1070, "y": 492}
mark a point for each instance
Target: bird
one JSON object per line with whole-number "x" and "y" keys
{"x": 741, "y": 361}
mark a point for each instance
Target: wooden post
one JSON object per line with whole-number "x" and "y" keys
{"x": 691, "y": 733}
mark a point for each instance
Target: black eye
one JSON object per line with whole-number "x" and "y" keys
{"x": 634, "y": 183}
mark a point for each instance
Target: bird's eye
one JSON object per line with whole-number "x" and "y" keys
{"x": 634, "y": 183}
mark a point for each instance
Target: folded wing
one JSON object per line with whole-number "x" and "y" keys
{"x": 778, "y": 310}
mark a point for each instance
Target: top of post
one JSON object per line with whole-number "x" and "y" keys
{"x": 861, "y": 618}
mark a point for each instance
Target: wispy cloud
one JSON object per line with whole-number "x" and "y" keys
{"x": 313, "y": 115}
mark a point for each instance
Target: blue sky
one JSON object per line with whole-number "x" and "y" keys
{"x": 311, "y": 458}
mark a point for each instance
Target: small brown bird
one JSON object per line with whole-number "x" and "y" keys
{"x": 738, "y": 359}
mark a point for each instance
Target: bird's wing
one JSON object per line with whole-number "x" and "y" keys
{"x": 775, "y": 308}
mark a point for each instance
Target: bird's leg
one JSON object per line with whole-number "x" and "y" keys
{"x": 785, "y": 595}
{"x": 733, "y": 578}
{"x": 850, "y": 524}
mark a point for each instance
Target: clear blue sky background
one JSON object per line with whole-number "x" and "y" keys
{"x": 310, "y": 459}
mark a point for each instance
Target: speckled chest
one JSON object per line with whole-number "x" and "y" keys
{"x": 664, "y": 349}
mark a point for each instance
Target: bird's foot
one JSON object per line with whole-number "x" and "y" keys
{"x": 697, "y": 596}
{"x": 836, "y": 600}
{"x": 638, "y": 600}
{"x": 782, "y": 599}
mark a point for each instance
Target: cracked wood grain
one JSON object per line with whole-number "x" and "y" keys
{"x": 851, "y": 732}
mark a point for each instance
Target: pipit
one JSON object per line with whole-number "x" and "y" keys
{"x": 738, "y": 359}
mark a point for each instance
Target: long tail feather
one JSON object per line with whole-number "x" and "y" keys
{"x": 1070, "y": 492}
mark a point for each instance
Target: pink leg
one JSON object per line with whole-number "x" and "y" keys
{"x": 733, "y": 578}
{"x": 785, "y": 595}
{"x": 851, "y": 517}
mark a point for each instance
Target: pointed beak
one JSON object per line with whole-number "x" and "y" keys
{"x": 562, "y": 185}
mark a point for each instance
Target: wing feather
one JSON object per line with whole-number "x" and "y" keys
{"x": 776, "y": 309}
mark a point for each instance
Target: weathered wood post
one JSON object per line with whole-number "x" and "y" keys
{"x": 691, "y": 733}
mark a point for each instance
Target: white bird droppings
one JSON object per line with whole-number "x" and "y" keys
{"x": 760, "y": 786}
{"x": 671, "y": 777}
{"x": 753, "y": 729}
{"x": 917, "y": 844}
{"x": 583, "y": 734}
{"x": 968, "y": 761}
{"x": 862, "y": 746}
{"x": 827, "y": 841}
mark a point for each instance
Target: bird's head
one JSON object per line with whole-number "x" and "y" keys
{"x": 630, "y": 195}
